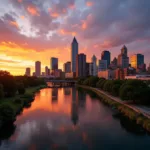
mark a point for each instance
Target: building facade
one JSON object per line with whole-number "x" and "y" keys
{"x": 87, "y": 69}
{"x": 94, "y": 62}
{"x": 123, "y": 59}
{"x": 107, "y": 74}
{"x": 102, "y": 65}
{"x": 67, "y": 67}
{"x": 74, "y": 53}
{"x": 81, "y": 65}
{"x": 106, "y": 56}
{"x": 47, "y": 71}
{"x": 137, "y": 60}
{"x": 28, "y": 72}
{"x": 54, "y": 63}
{"x": 37, "y": 68}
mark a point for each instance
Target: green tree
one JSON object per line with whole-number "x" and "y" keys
{"x": 93, "y": 81}
{"x": 115, "y": 89}
{"x": 20, "y": 88}
{"x": 8, "y": 82}
{"x": 7, "y": 113}
{"x": 1, "y": 91}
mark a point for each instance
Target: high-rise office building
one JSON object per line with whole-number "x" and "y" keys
{"x": 81, "y": 65}
{"x": 46, "y": 71}
{"x": 88, "y": 69}
{"x": 137, "y": 60}
{"x": 102, "y": 66}
{"x": 54, "y": 63}
{"x": 91, "y": 69}
{"x": 106, "y": 56}
{"x": 37, "y": 68}
{"x": 94, "y": 62}
{"x": 74, "y": 53}
{"x": 28, "y": 72}
{"x": 123, "y": 59}
{"x": 67, "y": 67}
{"x": 124, "y": 51}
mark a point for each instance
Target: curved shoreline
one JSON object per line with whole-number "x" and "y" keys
{"x": 131, "y": 112}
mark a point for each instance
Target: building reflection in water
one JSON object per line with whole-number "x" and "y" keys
{"x": 74, "y": 107}
{"x": 81, "y": 99}
{"x": 54, "y": 95}
{"x": 67, "y": 91}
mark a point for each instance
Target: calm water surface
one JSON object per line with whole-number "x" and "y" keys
{"x": 71, "y": 119}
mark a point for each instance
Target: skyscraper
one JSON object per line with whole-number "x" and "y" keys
{"x": 46, "y": 71}
{"x": 88, "y": 69}
{"x": 137, "y": 60}
{"x": 123, "y": 59}
{"x": 94, "y": 62}
{"x": 102, "y": 66}
{"x": 81, "y": 65}
{"x": 28, "y": 72}
{"x": 74, "y": 53}
{"x": 67, "y": 67}
{"x": 37, "y": 68}
{"x": 106, "y": 56}
{"x": 54, "y": 63}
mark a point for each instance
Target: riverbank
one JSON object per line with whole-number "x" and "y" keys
{"x": 131, "y": 112}
{"x": 11, "y": 107}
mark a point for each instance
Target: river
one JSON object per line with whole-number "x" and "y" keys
{"x": 71, "y": 119}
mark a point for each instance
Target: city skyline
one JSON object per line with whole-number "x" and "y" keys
{"x": 44, "y": 30}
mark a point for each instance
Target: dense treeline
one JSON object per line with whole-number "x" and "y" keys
{"x": 16, "y": 92}
{"x": 136, "y": 90}
{"x": 12, "y": 85}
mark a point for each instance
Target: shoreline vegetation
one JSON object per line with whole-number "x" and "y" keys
{"x": 130, "y": 112}
{"x": 16, "y": 93}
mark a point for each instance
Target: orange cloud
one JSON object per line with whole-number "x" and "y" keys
{"x": 89, "y": 3}
{"x": 22, "y": 17}
{"x": 33, "y": 10}
{"x": 84, "y": 25}
{"x": 20, "y": 1}
{"x": 15, "y": 24}
{"x": 54, "y": 15}
{"x": 65, "y": 32}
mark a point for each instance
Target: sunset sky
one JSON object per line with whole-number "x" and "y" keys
{"x": 32, "y": 30}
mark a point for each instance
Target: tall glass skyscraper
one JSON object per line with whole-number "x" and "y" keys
{"x": 54, "y": 63}
{"x": 37, "y": 68}
{"x": 137, "y": 60}
{"x": 74, "y": 53}
{"x": 106, "y": 56}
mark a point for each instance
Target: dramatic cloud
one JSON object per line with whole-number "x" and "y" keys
{"x": 45, "y": 28}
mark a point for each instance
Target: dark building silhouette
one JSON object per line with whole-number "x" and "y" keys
{"x": 37, "y": 68}
{"x": 87, "y": 69}
{"x": 67, "y": 67}
{"x": 81, "y": 65}
{"x": 106, "y": 56}
{"x": 123, "y": 59}
{"x": 54, "y": 63}
{"x": 74, "y": 53}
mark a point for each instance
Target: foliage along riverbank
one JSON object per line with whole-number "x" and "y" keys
{"x": 16, "y": 92}
{"x": 133, "y": 115}
{"x": 11, "y": 107}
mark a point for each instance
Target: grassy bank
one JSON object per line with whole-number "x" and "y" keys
{"x": 11, "y": 107}
{"x": 133, "y": 115}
